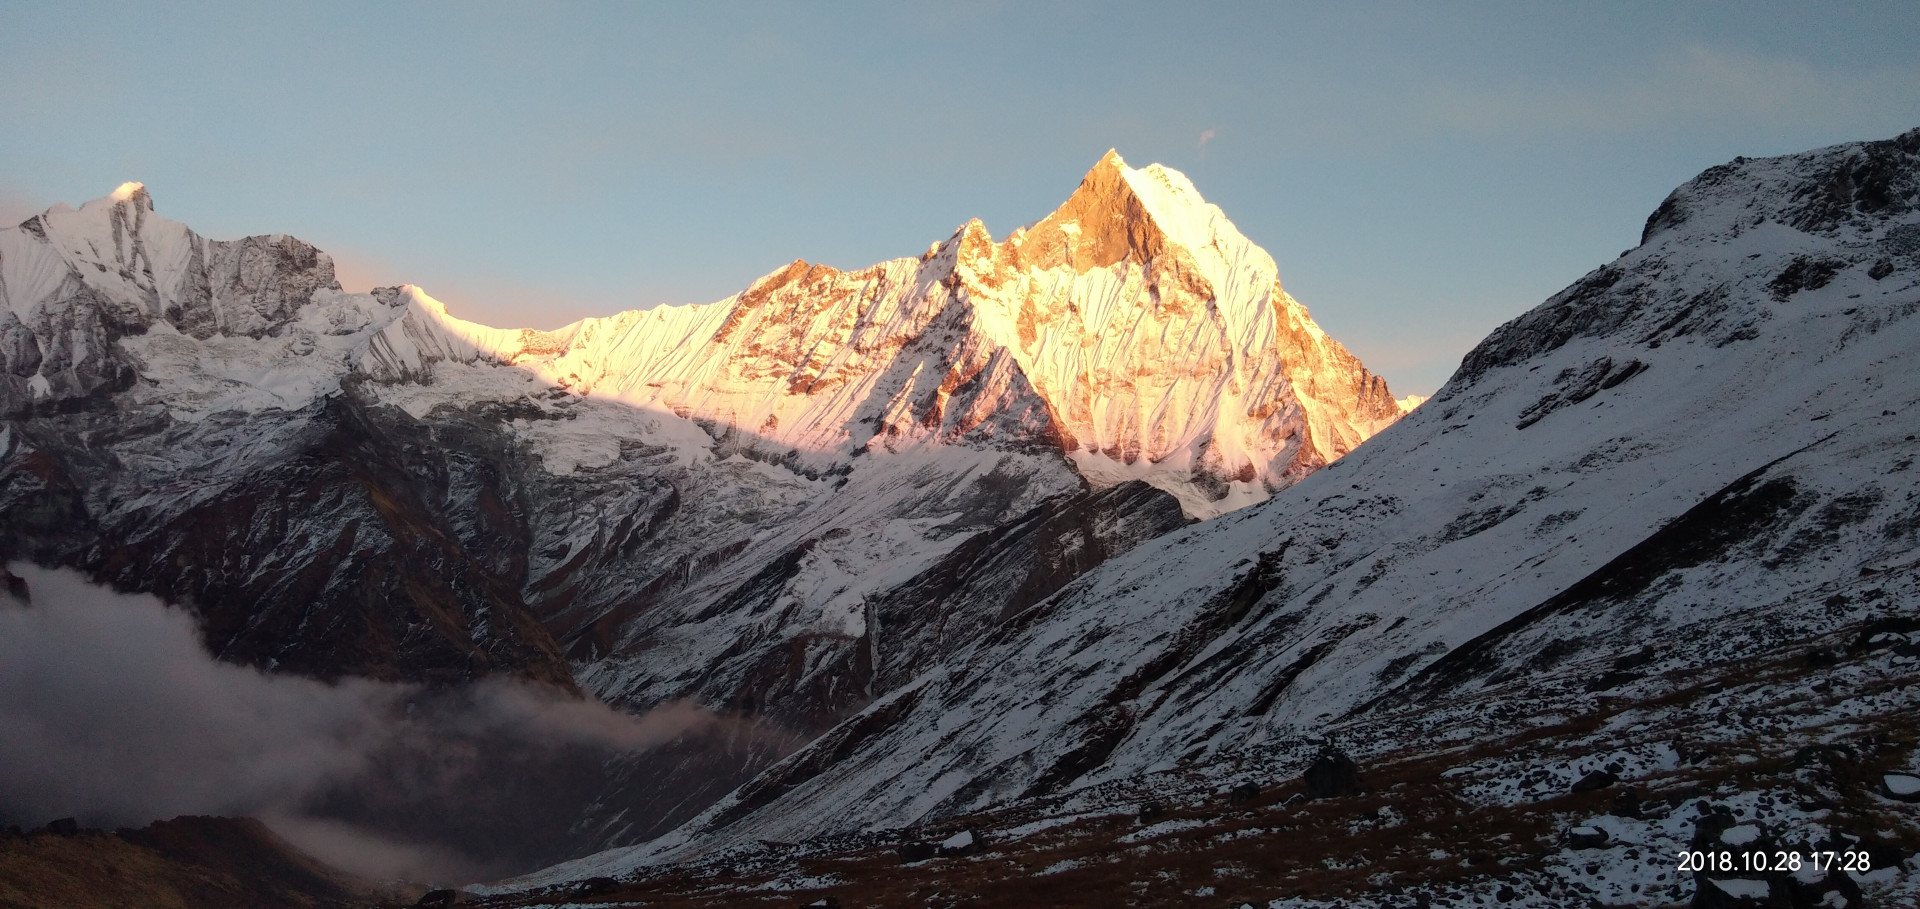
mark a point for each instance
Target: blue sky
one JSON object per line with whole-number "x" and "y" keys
{"x": 1421, "y": 171}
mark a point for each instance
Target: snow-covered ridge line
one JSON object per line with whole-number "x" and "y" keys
{"x": 1154, "y": 336}
{"x": 1134, "y": 329}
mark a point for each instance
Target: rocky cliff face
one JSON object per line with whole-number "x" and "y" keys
{"x": 1697, "y": 458}
{"x": 779, "y": 505}
{"x": 76, "y": 282}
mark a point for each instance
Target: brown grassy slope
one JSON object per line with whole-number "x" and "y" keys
{"x": 188, "y": 862}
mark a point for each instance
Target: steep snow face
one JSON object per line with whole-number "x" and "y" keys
{"x": 1701, "y": 449}
{"x": 1134, "y": 328}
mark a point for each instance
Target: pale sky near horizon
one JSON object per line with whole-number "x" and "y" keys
{"x": 1421, "y": 172}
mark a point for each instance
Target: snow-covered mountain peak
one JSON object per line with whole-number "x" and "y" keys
{"x": 1104, "y": 222}
{"x": 132, "y": 191}
{"x": 1133, "y": 330}
{"x": 1143, "y": 215}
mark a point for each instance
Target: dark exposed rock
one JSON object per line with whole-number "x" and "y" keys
{"x": 996, "y": 575}
{"x": 1883, "y": 853}
{"x": 1598, "y": 779}
{"x": 392, "y": 572}
{"x": 1713, "y": 820}
{"x": 1332, "y": 775}
{"x": 1729, "y": 518}
{"x": 1732, "y": 892}
{"x": 916, "y": 851}
{"x": 1822, "y": 889}
{"x": 1574, "y": 387}
{"x": 597, "y": 886}
{"x": 1804, "y": 273}
{"x": 438, "y": 899}
{"x": 1883, "y": 633}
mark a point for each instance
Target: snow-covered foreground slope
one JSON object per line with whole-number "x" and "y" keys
{"x": 1701, "y": 451}
{"x": 777, "y": 506}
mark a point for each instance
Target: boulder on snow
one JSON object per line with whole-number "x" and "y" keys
{"x": 1332, "y": 775}
{"x": 1712, "y": 821}
{"x": 1903, "y": 787}
{"x": 1587, "y": 837}
{"x": 1890, "y": 631}
{"x": 1598, "y": 779}
{"x": 1626, "y": 803}
{"x": 963, "y": 843}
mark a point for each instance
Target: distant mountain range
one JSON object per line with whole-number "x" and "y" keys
{"x": 779, "y": 506}
{"x": 1055, "y": 570}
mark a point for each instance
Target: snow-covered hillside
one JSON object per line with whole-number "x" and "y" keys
{"x": 1698, "y": 453}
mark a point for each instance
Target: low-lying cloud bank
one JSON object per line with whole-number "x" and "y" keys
{"x": 113, "y": 713}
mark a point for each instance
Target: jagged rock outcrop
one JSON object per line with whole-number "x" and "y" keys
{"x": 76, "y": 282}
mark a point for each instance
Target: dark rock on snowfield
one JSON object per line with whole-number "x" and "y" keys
{"x": 1598, "y": 779}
